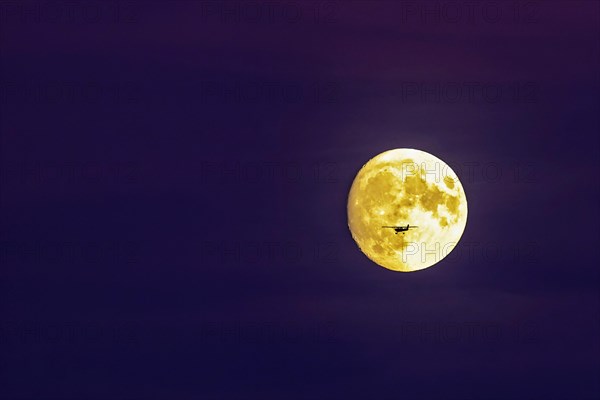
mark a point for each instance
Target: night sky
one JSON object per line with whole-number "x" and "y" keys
{"x": 173, "y": 187}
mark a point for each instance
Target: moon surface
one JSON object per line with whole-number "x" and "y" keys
{"x": 406, "y": 187}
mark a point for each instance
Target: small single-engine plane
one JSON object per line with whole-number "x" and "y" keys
{"x": 402, "y": 229}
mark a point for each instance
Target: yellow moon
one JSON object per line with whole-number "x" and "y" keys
{"x": 400, "y": 188}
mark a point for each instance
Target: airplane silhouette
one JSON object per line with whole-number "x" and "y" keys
{"x": 402, "y": 229}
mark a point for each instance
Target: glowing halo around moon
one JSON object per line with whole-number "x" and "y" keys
{"x": 406, "y": 187}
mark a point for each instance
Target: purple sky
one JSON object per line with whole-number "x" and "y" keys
{"x": 173, "y": 185}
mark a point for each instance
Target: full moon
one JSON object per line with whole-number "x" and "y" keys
{"x": 406, "y": 210}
